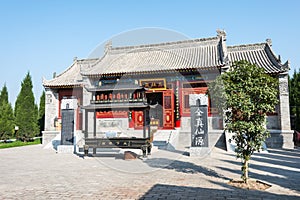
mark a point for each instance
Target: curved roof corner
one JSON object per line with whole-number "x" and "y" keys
{"x": 260, "y": 54}
{"x": 71, "y": 77}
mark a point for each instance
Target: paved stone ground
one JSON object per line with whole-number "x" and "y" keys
{"x": 32, "y": 172}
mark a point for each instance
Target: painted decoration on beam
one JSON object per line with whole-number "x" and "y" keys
{"x": 199, "y": 122}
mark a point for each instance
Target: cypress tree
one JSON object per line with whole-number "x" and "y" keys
{"x": 26, "y": 111}
{"x": 294, "y": 95}
{"x": 6, "y": 116}
{"x": 41, "y": 117}
{"x": 4, "y": 95}
{"x": 36, "y": 116}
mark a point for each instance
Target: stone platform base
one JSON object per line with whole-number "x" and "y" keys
{"x": 49, "y": 136}
{"x": 199, "y": 151}
{"x": 280, "y": 139}
{"x": 65, "y": 149}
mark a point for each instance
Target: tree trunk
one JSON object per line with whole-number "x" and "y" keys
{"x": 245, "y": 170}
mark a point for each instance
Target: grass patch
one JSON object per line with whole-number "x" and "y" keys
{"x": 18, "y": 143}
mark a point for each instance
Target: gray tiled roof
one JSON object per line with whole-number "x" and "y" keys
{"x": 71, "y": 77}
{"x": 188, "y": 54}
{"x": 67, "y": 78}
{"x": 260, "y": 54}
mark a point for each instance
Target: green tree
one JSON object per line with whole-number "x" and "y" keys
{"x": 36, "y": 116}
{"x": 41, "y": 117}
{"x": 26, "y": 111}
{"x": 245, "y": 94}
{"x": 6, "y": 116}
{"x": 294, "y": 95}
{"x": 4, "y": 95}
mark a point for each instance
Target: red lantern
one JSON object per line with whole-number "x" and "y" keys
{"x": 140, "y": 118}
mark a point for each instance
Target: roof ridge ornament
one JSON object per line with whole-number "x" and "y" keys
{"x": 286, "y": 66}
{"x": 108, "y": 46}
{"x": 269, "y": 42}
{"x": 221, "y": 33}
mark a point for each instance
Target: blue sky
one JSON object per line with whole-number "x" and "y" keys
{"x": 43, "y": 37}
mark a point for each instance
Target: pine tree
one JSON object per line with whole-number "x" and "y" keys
{"x": 26, "y": 111}
{"x": 41, "y": 117}
{"x": 6, "y": 116}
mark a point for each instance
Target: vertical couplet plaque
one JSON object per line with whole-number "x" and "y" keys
{"x": 199, "y": 122}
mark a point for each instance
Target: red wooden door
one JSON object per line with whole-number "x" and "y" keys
{"x": 168, "y": 109}
{"x": 138, "y": 119}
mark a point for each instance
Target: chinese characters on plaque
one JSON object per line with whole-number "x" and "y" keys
{"x": 199, "y": 126}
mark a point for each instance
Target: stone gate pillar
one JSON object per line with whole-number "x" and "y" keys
{"x": 284, "y": 112}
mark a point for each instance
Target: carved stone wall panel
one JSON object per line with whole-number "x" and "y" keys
{"x": 283, "y": 87}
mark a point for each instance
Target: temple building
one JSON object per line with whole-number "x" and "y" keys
{"x": 114, "y": 93}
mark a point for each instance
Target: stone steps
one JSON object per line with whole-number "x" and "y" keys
{"x": 184, "y": 141}
{"x": 160, "y": 144}
{"x": 161, "y": 139}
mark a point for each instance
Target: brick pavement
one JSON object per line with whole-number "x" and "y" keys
{"x": 32, "y": 172}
